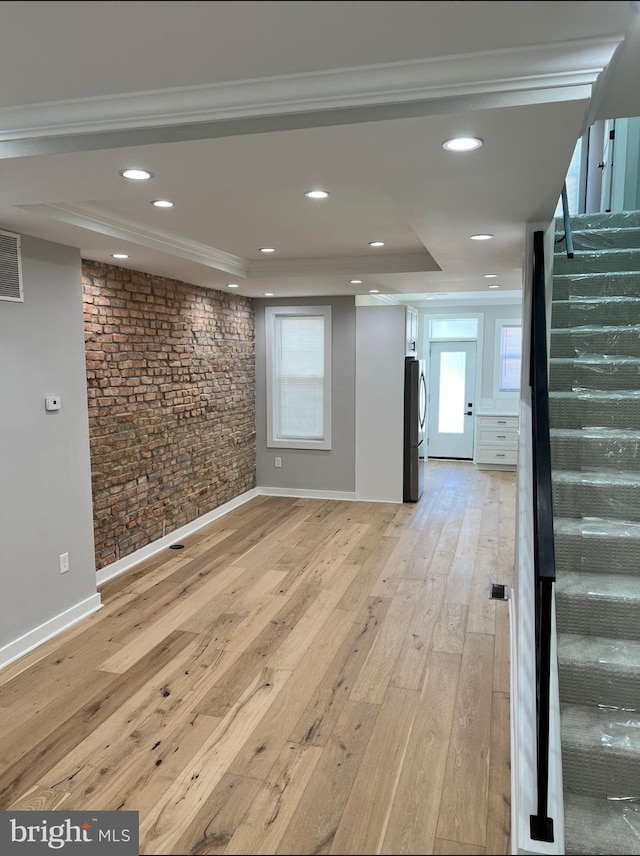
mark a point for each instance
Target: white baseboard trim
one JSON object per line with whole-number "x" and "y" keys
{"x": 128, "y": 562}
{"x": 23, "y": 644}
{"x": 299, "y": 493}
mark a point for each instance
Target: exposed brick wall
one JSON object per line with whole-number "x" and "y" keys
{"x": 171, "y": 385}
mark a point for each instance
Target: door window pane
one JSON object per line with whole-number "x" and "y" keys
{"x": 453, "y": 328}
{"x": 451, "y": 405}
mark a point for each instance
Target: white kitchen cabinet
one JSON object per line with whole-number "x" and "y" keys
{"x": 496, "y": 442}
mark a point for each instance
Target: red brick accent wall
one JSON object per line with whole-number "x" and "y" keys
{"x": 171, "y": 385}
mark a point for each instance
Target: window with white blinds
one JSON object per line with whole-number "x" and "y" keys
{"x": 299, "y": 376}
{"x": 508, "y": 358}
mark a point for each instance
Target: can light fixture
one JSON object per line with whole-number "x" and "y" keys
{"x": 119, "y": 256}
{"x": 376, "y": 243}
{"x": 162, "y": 203}
{"x": 355, "y": 281}
{"x": 462, "y": 144}
{"x": 483, "y": 237}
{"x": 135, "y": 174}
{"x": 232, "y": 285}
{"x": 267, "y": 249}
{"x": 317, "y": 194}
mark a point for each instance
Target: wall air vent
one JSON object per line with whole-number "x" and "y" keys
{"x": 10, "y": 267}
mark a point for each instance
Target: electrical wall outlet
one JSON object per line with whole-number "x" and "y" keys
{"x": 64, "y": 563}
{"x": 277, "y": 462}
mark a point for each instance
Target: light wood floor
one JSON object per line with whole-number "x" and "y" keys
{"x": 304, "y": 677}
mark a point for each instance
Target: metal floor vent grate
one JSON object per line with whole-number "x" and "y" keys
{"x": 498, "y": 592}
{"x": 10, "y": 267}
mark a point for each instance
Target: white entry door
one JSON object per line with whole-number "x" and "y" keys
{"x": 452, "y": 376}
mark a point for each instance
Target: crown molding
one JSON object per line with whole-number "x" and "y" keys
{"x": 571, "y": 64}
{"x": 98, "y": 219}
{"x": 419, "y": 262}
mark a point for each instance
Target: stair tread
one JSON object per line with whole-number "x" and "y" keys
{"x": 608, "y": 729}
{"x": 621, "y": 434}
{"x": 595, "y": 528}
{"x": 599, "y": 650}
{"x": 596, "y": 359}
{"x": 596, "y": 328}
{"x": 601, "y": 395}
{"x": 595, "y": 825}
{"x": 601, "y": 585}
{"x": 598, "y": 477}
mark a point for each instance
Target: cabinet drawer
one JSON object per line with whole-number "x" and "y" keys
{"x": 497, "y": 422}
{"x": 507, "y": 437}
{"x": 492, "y": 455}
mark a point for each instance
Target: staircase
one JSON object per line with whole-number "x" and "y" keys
{"x": 595, "y": 440}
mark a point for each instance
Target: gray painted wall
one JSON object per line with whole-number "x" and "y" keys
{"x": 45, "y": 475}
{"x": 311, "y": 469}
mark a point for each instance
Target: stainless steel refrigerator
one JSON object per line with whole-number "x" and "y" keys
{"x": 413, "y": 467}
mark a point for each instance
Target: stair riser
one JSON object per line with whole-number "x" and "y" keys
{"x": 589, "y": 261}
{"x": 600, "y": 239}
{"x": 602, "y": 220}
{"x": 576, "y": 312}
{"x": 571, "y": 343}
{"x": 595, "y": 770}
{"x": 614, "y": 501}
{"x": 565, "y": 377}
{"x": 596, "y": 285}
{"x": 572, "y": 453}
{"x": 594, "y": 413}
{"x": 597, "y": 684}
{"x": 598, "y": 555}
{"x": 613, "y": 618}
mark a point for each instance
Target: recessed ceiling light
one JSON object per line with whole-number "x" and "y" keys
{"x": 267, "y": 249}
{"x": 355, "y": 281}
{"x": 119, "y": 256}
{"x": 233, "y": 285}
{"x": 490, "y": 275}
{"x": 494, "y": 286}
{"x": 317, "y": 194}
{"x": 481, "y": 237}
{"x": 374, "y": 291}
{"x": 162, "y": 203}
{"x": 376, "y": 243}
{"x": 136, "y": 174}
{"x": 268, "y": 294}
{"x": 462, "y": 144}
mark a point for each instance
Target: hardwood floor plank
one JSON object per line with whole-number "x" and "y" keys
{"x": 373, "y": 680}
{"x": 454, "y": 848}
{"x": 180, "y": 804}
{"x": 268, "y": 817}
{"x": 499, "y": 811}
{"x": 463, "y": 807}
{"x": 414, "y": 811}
{"x": 412, "y": 661}
{"x": 271, "y": 735}
{"x": 502, "y": 653}
{"x": 317, "y": 816}
{"x": 451, "y": 627}
{"x": 221, "y": 813}
{"x": 364, "y": 821}
{"x": 320, "y": 715}
{"x": 55, "y": 745}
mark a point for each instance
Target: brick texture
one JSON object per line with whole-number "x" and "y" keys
{"x": 171, "y": 386}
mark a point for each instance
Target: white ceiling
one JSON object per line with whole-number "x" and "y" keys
{"x": 354, "y": 97}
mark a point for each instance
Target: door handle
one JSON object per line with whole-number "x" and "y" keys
{"x": 468, "y": 413}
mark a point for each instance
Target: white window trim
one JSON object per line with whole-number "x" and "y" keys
{"x": 500, "y": 323}
{"x": 271, "y": 313}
